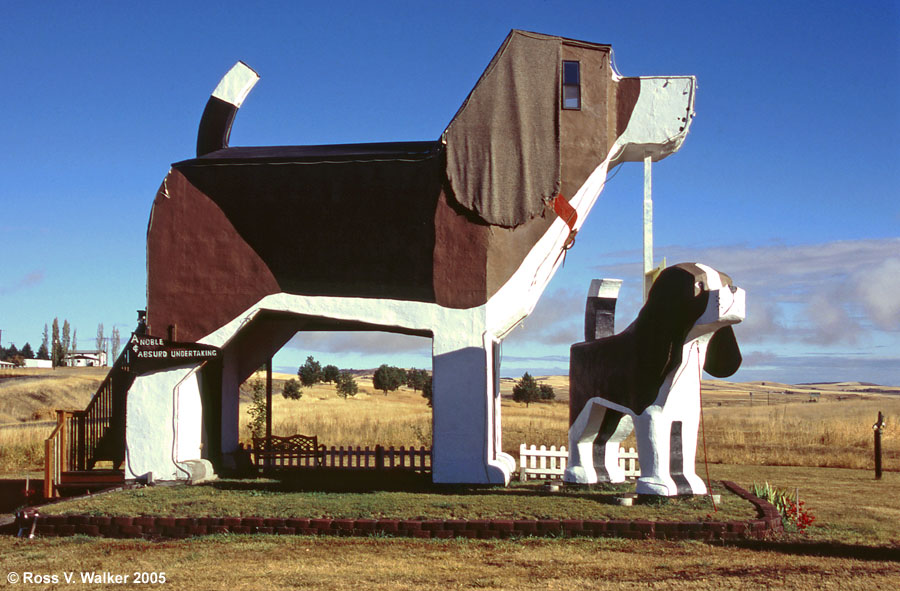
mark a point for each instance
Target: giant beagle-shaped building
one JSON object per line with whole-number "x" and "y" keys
{"x": 453, "y": 239}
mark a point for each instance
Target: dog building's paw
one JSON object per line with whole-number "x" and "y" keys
{"x": 580, "y": 475}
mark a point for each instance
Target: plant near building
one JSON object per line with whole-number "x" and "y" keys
{"x": 257, "y": 408}
{"x": 793, "y": 510}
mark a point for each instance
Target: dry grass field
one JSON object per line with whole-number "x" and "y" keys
{"x": 759, "y": 423}
{"x": 243, "y": 563}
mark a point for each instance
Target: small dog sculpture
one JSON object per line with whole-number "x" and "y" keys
{"x": 647, "y": 378}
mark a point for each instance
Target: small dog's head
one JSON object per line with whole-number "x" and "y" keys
{"x": 687, "y": 301}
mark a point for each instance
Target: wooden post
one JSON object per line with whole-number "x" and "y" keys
{"x": 379, "y": 457}
{"x": 269, "y": 398}
{"x": 648, "y": 225}
{"x": 878, "y": 427}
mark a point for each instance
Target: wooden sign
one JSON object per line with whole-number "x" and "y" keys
{"x": 148, "y": 353}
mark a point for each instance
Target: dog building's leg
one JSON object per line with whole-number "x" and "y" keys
{"x": 466, "y": 411}
{"x": 652, "y": 429}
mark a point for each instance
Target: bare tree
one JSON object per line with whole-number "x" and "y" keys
{"x": 101, "y": 339}
{"x": 114, "y": 349}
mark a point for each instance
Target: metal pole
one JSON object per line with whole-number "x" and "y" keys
{"x": 648, "y": 223}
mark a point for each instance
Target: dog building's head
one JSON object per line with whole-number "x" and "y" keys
{"x": 688, "y": 301}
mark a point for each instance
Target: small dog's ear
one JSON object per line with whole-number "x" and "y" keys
{"x": 723, "y": 356}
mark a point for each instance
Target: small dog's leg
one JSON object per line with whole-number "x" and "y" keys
{"x": 653, "y": 430}
{"x": 615, "y": 428}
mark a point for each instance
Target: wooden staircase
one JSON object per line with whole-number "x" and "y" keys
{"x": 86, "y": 450}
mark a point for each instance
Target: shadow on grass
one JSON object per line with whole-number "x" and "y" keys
{"x": 826, "y": 549}
{"x": 336, "y": 481}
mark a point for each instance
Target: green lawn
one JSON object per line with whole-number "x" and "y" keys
{"x": 266, "y": 498}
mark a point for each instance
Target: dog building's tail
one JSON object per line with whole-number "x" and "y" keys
{"x": 226, "y": 99}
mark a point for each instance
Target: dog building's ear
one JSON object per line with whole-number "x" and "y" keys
{"x": 723, "y": 356}
{"x": 515, "y": 103}
{"x": 663, "y": 324}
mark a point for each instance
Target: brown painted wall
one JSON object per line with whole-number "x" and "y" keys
{"x": 585, "y": 134}
{"x": 200, "y": 273}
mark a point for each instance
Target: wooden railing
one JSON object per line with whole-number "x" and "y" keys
{"x": 546, "y": 463}
{"x": 55, "y": 455}
{"x": 87, "y": 427}
{"x": 82, "y": 437}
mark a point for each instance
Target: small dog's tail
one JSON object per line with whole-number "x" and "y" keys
{"x": 223, "y": 105}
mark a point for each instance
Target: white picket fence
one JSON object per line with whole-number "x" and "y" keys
{"x": 542, "y": 463}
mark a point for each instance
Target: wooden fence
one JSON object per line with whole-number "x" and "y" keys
{"x": 350, "y": 458}
{"x": 543, "y": 463}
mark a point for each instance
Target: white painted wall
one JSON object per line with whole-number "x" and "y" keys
{"x": 163, "y": 418}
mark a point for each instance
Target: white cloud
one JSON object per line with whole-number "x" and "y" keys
{"x": 878, "y": 288}
{"x": 29, "y": 280}
{"x": 822, "y": 293}
{"x": 359, "y": 342}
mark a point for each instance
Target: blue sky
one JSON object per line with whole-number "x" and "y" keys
{"x": 787, "y": 181}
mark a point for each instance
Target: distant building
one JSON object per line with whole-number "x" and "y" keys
{"x": 6, "y": 365}
{"x": 39, "y": 363}
{"x": 85, "y": 359}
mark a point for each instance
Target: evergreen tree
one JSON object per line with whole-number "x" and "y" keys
{"x": 75, "y": 340}
{"x": 330, "y": 374}
{"x": 27, "y": 353}
{"x": 292, "y": 390}
{"x": 66, "y": 338}
{"x": 547, "y": 392}
{"x": 388, "y": 378}
{"x": 56, "y": 352}
{"x": 526, "y": 390}
{"x": 346, "y": 385}
{"x": 310, "y": 373}
{"x": 43, "y": 353}
{"x": 11, "y": 352}
{"x": 45, "y": 344}
{"x": 426, "y": 390}
{"x": 416, "y": 378}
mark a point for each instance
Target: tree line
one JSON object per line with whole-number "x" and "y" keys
{"x": 56, "y": 344}
{"x": 388, "y": 378}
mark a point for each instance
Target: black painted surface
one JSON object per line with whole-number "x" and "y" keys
{"x": 332, "y": 220}
{"x": 676, "y": 459}
{"x": 215, "y": 126}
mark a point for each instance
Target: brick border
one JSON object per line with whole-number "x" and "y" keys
{"x": 768, "y": 522}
